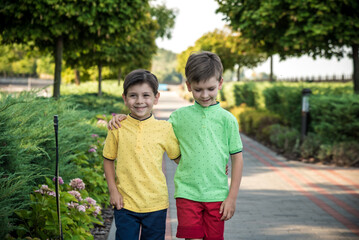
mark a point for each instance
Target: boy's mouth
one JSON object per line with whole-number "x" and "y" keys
{"x": 140, "y": 108}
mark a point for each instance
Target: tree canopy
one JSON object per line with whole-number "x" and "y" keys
{"x": 53, "y": 25}
{"x": 294, "y": 28}
{"x": 229, "y": 46}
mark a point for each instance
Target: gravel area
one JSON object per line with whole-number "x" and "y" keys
{"x": 101, "y": 232}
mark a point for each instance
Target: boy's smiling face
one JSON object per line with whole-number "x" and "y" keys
{"x": 205, "y": 92}
{"x": 140, "y": 100}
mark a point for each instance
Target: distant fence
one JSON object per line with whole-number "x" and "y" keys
{"x": 26, "y": 82}
{"x": 333, "y": 78}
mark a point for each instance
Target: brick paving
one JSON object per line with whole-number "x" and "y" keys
{"x": 280, "y": 199}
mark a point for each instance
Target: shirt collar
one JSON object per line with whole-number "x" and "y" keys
{"x": 209, "y": 108}
{"x": 144, "y": 121}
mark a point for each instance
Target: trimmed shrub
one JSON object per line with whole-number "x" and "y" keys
{"x": 256, "y": 123}
{"x": 286, "y": 102}
{"x": 346, "y": 153}
{"x": 335, "y": 118}
{"x": 285, "y": 139}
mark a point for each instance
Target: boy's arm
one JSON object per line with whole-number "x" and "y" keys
{"x": 228, "y": 206}
{"x": 115, "y": 197}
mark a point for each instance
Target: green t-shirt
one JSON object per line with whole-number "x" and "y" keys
{"x": 207, "y": 136}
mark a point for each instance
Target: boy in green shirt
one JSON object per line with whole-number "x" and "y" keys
{"x": 207, "y": 135}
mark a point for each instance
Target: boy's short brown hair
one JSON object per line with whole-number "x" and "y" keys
{"x": 140, "y": 76}
{"x": 202, "y": 66}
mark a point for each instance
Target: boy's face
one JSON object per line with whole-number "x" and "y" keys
{"x": 205, "y": 92}
{"x": 140, "y": 100}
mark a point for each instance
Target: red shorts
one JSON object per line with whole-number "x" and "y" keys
{"x": 199, "y": 220}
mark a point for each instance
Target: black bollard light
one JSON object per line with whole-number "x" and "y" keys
{"x": 56, "y": 124}
{"x": 305, "y": 112}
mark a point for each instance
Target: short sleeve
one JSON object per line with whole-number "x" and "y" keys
{"x": 234, "y": 140}
{"x": 111, "y": 145}
{"x": 172, "y": 145}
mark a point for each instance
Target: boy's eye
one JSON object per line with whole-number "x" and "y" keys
{"x": 211, "y": 89}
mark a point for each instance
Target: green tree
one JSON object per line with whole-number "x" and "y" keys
{"x": 295, "y": 28}
{"x": 53, "y": 25}
{"x": 229, "y": 46}
{"x": 17, "y": 60}
{"x": 165, "y": 18}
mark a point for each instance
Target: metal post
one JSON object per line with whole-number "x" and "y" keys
{"x": 305, "y": 112}
{"x": 57, "y": 176}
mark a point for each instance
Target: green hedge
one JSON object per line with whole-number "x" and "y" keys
{"x": 27, "y": 147}
{"x": 335, "y": 118}
{"x": 286, "y": 102}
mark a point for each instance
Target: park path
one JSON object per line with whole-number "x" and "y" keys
{"x": 279, "y": 199}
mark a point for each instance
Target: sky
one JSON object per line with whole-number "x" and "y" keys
{"x": 197, "y": 17}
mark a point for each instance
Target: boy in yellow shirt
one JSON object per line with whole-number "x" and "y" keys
{"x": 137, "y": 185}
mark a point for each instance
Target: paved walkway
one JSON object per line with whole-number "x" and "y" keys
{"x": 280, "y": 199}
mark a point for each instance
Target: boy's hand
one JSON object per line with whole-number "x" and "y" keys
{"x": 227, "y": 209}
{"x": 116, "y": 200}
{"x": 116, "y": 121}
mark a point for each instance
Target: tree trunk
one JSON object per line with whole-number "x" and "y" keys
{"x": 119, "y": 76}
{"x": 99, "y": 79}
{"x": 271, "y": 69}
{"x": 58, "y": 65}
{"x": 77, "y": 77}
{"x": 239, "y": 73}
{"x": 356, "y": 68}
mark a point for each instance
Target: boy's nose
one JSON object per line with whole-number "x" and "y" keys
{"x": 139, "y": 100}
{"x": 204, "y": 94}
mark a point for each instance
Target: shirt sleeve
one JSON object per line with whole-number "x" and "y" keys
{"x": 111, "y": 145}
{"x": 234, "y": 139}
{"x": 172, "y": 145}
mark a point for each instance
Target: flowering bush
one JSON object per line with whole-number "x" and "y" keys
{"x": 78, "y": 212}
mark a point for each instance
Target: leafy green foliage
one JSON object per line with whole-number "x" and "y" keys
{"x": 78, "y": 213}
{"x": 229, "y": 46}
{"x": 79, "y": 26}
{"x": 14, "y": 188}
{"x": 27, "y": 149}
{"x": 285, "y": 139}
{"x": 335, "y": 118}
{"x": 165, "y": 19}
{"x": 295, "y": 28}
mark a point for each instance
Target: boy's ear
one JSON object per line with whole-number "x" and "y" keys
{"x": 157, "y": 96}
{"x": 124, "y": 97}
{"x": 220, "y": 84}
{"x": 188, "y": 86}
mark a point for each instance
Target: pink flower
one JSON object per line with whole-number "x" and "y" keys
{"x": 60, "y": 180}
{"x": 76, "y": 194}
{"x": 94, "y": 135}
{"x": 77, "y": 183}
{"x": 51, "y": 193}
{"x": 81, "y": 208}
{"x": 91, "y": 201}
{"x": 97, "y": 211}
{"x": 46, "y": 190}
{"x": 92, "y": 150}
{"x": 113, "y": 114}
{"x": 72, "y": 205}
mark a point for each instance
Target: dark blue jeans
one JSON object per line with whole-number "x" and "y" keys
{"x": 128, "y": 225}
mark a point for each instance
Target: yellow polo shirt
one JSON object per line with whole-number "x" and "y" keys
{"x": 138, "y": 147}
